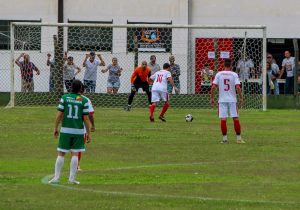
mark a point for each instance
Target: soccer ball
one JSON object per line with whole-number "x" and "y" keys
{"x": 189, "y": 118}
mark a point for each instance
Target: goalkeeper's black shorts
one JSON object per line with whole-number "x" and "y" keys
{"x": 143, "y": 85}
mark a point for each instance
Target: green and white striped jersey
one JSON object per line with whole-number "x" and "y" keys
{"x": 74, "y": 107}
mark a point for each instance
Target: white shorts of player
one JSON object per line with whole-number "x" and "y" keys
{"x": 157, "y": 95}
{"x": 225, "y": 106}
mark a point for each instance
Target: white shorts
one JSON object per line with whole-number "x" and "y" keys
{"x": 225, "y": 106}
{"x": 157, "y": 95}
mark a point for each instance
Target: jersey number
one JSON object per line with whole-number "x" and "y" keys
{"x": 75, "y": 116}
{"x": 226, "y": 81}
{"x": 159, "y": 78}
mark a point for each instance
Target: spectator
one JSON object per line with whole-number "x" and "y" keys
{"x": 90, "y": 74}
{"x": 245, "y": 69}
{"x": 275, "y": 72}
{"x": 69, "y": 69}
{"x": 270, "y": 77}
{"x": 288, "y": 66}
{"x": 27, "y": 68}
{"x": 175, "y": 72}
{"x": 273, "y": 60}
{"x": 51, "y": 62}
{"x": 113, "y": 80}
{"x": 206, "y": 79}
{"x": 154, "y": 67}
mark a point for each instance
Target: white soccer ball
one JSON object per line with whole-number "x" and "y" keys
{"x": 189, "y": 118}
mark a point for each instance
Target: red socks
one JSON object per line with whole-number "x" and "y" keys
{"x": 164, "y": 109}
{"x": 79, "y": 156}
{"x": 237, "y": 127}
{"x": 152, "y": 108}
{"x": 223, "y": 127}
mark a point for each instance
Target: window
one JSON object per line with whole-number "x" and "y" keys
{"x": 81, "y": 38}
{"x": 26, "y": 37}
{"x": 149, "y": 39}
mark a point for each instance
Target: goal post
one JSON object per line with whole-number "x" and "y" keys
{"x": 199, "y": 52}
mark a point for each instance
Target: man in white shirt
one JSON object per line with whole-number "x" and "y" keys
{"x": 288, "y": 66}
{"x": 228, "y": 84}
{"x": 275, "y": 73}
{"x": 245, "y": 68}
{"x": 90, "y": 74}
{"x": 160, "y": 92}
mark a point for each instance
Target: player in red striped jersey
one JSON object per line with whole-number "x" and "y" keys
{"x": 228, "y": 85}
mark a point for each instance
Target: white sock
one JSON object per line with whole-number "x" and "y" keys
{"x": 238, "y": 137}
{"x": 225, "y": 138}
{"x": 58, "y": 166}
{"x": 73, "y": 168}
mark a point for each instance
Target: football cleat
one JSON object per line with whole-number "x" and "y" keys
{"x": 151, "y": 119}
{"x": 127, "y": 108}
{"x": 53, "y": 181}
{"x": 73, "y": 182}
{"x": 224, "y": 142}
{"x": 240, "y": 141}
{"x": 162, "y": 118}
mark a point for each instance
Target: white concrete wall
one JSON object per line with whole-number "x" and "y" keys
{"x": 280, "y": 17}
{"x": 29, "y": 10}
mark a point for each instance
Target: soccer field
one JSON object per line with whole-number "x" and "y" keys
{"x": 134, "y": 164}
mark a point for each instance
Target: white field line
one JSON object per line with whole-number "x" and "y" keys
{"x": 178, "y": 164}
{"x": 72, "y": 187}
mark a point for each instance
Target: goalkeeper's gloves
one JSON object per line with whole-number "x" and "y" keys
{"x": 133, "y": 87}
{"x": 150, "y": 88}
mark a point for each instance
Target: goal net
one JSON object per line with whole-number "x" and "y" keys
{"x": 196, "y": 54}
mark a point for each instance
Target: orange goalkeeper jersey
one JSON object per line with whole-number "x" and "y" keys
{"x": 140, "y": 75}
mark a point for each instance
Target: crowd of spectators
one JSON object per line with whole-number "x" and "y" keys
{"x": 245, "y": 68}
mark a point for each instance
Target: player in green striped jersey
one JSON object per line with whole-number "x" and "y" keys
{"x": 72, "y": 114}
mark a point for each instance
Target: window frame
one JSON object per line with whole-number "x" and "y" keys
{"x": 100, "y": 46}
{"x": 6, "y": 46}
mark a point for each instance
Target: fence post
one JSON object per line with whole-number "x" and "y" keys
{"x": 296, "y": 50}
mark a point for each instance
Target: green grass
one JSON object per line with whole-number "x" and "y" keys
{"x": 133, "y": 164}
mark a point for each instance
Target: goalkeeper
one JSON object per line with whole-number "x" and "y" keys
{"x": 139, "y": 79}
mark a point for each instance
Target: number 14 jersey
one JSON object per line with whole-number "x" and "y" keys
{"x": 226, "y": 81}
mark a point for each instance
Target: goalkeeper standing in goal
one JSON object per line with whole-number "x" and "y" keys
{"x": 72, "y": 112}
{"x": 139, "y": 79}
{"x": 228, "y": 84}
